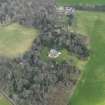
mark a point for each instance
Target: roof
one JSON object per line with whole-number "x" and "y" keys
{"x": 54, "y": 53}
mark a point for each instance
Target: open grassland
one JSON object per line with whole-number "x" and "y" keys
{"x": 15, "y": 39}
{"x": 91, "y": 88}
{"x": 67, "y": 2}
{"x": 4, "y": 101}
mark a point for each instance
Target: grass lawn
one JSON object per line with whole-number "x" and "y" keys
{"x": 15, "y": 39}
{"x": 4, "y": 101}
{"x": 91, "y": 88}
{"x": 67, "y": 2}
{"x": 65, "y": 56}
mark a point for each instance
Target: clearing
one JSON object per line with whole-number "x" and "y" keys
{"x": 15, "y": 39}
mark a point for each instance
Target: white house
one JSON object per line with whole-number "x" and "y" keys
{"x": 54, "y": 53}
{"x": 65, "y": 10}
{"x": 69, "y": 10}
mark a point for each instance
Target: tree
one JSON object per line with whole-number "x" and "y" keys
{"x": 24, "y": 11}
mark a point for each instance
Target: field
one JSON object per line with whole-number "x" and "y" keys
{"x": 67, "y": 2}
{"x": 3, "y": 101}
{"x": 15, "y": 39}
{"x": 91, "y": 88}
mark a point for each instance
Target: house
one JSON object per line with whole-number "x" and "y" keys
{"x": 54, "y": 53}
{"x": 69, "y": 10}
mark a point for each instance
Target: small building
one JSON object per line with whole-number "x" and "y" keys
{"x": 69, "y": 10}
{"x": 54, "y": 53}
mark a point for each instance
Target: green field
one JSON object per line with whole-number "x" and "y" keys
{"x": 4, "y": 101}
{"x": 91, "y": 88}
{"x": 67, "y": 2}
{"x": 15, "y": 39}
